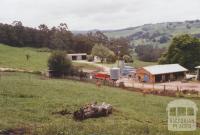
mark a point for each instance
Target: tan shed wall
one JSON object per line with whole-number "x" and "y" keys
{"x": 141, "y": 72}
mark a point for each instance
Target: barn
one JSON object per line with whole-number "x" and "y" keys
{"x": 77, "y": 56}
{"x": 161, "y": 73}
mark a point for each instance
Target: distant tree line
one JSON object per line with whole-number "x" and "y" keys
{"x": 149, "y": 53}
{"x": 150, "y": 37}
{"x": 58, "y": 38}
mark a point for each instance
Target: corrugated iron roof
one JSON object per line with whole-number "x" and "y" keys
{"x": 198, "y": 67}
{"x": 76, "y": 54}
{"x": 163, "y": 69}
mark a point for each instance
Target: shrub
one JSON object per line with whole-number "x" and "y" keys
{"x": 185, "y": 50}
{"x": 90, "y": 58}
{"x": 59, "y": 65}
{"x": 111, "y": 58}
{"x": 149, "y": 53}
{"x": 74, "y": 71}
{"x": 102, "y": 52}
{"x": 127, "y": 59}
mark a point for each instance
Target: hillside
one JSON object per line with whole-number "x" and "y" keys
{"x": 156, "y": 34}
{"x": 14, "y": 57}
{"x": 28, "y": 102}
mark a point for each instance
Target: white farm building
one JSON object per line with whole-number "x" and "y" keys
{"x": 77, "y": 56}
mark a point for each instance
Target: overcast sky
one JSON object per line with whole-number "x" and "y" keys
{"x": 97, "y": 14}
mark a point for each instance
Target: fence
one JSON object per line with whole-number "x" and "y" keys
{"x": 162, "y": 86}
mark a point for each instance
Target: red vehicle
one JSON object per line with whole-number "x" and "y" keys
{"x": 102, "y": 76}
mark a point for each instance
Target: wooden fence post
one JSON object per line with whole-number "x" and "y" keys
{"x": 153, "y": 86}
{"x": 164, "y": 88}
{"x": 177, "y": 88}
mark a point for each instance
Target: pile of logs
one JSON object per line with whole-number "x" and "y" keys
{"x": 93, "y": 111}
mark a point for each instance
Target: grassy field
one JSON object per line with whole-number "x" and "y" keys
{"x": 28, "y": 101}
{"x": 14, "y": 57}
{"x": 137, "y": 63}
{"x": 85, "y": 66}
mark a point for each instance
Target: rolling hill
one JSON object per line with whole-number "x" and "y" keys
{"x": 156, "y": 34}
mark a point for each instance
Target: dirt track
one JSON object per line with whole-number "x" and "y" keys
{"x": 161, "y": 86}
{"x": 3, "y": 69}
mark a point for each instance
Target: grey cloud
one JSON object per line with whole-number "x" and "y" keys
{"x": 100, "y": 14}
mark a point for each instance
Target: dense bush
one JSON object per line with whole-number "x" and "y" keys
{"x": 59, "y": 65}
{"x": 111, "y": 58}
{"x": 90, "y": 58}
{"x": 103, "y": 53}
{"x": 74, "y": 71}
{"x": 127, "y": 59}
{"x": 164, "y": 39}
{"x": 149, "y": 53}
{"x": 59, "y": 38}
{"x": 184, "y": 50}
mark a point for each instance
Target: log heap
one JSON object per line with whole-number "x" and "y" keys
{"x": 93, "y": 111}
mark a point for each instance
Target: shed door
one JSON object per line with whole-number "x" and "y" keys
{"x": 74, "y": 57}
{"x": 146, "y": 78}
{"x": 84, "y": 57}
{"x": 158, "y": 78}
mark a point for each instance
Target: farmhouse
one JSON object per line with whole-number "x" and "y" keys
{"x": 77, "y": 56}
{"x": 161, "y": 73}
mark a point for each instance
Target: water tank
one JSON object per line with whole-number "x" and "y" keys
{"x": 114, "y": 73}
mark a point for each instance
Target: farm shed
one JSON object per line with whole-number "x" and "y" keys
{"x": 77, "y": 56}
{"x": 161, "y": 73}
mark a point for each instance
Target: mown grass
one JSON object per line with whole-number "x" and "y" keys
{"x": 14, "y": 57}
{"x": 28, "y": 101}
{"x": 85, "y": 66}
{"x": 138, "y": 63}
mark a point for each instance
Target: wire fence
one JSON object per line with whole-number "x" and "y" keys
{"x": 177, "y": 86}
